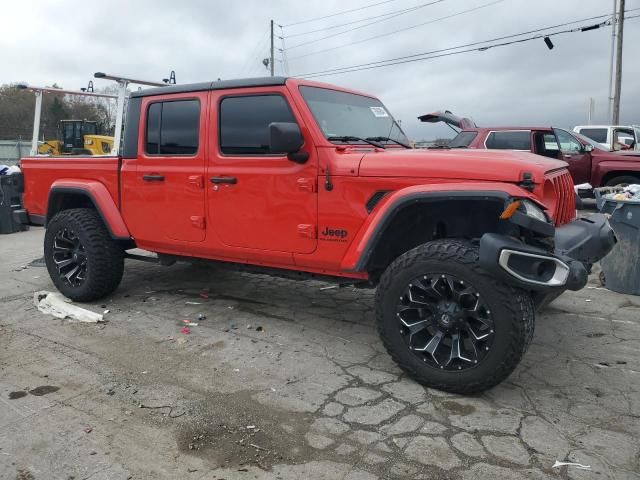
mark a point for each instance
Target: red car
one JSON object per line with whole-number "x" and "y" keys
{"x": 297, "y": 178}
{"x": 588, "y": 161}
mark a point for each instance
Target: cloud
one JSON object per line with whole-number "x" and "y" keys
{"x": 48, "y": 41}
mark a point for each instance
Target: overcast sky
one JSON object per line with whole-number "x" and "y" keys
{"x": 47, "y": 41}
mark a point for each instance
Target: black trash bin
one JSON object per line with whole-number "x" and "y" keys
{"x": 11, "y": 187}
{"x": 621, "y": 268}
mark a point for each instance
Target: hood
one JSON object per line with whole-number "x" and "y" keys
{"x": 483, "y": 165}
{"x": 448, "y": 118}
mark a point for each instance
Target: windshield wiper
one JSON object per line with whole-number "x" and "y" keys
{"x": 350, "y": 138}
{"x": 387, "y": 139}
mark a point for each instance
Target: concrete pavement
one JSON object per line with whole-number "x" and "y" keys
{"x": 288, "y": 380}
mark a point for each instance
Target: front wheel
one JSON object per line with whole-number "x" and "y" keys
{"x": 83, "y": 261}
{"x": 447, "y": 322}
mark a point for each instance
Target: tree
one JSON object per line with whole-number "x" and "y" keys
{"x": 17, "y": 110}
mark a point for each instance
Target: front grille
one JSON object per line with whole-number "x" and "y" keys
{"x": 560, "y": 197}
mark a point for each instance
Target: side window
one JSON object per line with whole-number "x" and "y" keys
{"x": 244, "y": 123}
{"x": 511, "y": 140}
{"x": 550, "y": 143}
{"x": 568, "y": 143}
{"x": 172, "y": 128}
{"x": 596, "y": 134}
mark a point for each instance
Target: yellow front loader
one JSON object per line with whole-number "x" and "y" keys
{"x": 77, "y": 137}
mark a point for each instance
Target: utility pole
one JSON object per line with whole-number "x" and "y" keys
{"x": 592, "y": 107}
{"x": 271, "y": 59}
{"x": 613, "y": 51}
{"x": 618, "y": 84}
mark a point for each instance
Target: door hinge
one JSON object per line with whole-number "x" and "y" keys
{"x": 198, "y": 221}
{"x": 306, "y": 230}
{"x": 307, "y": 184}
{"x": 197, "y": 180}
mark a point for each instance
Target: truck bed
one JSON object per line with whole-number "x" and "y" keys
{"x": 41, "y": 172}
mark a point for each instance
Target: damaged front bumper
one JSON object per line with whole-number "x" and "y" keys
{"x": 577, "y": 245}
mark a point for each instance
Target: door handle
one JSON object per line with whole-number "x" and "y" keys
{"x": 232, "y": 180}
{"x": 153, "y": 178}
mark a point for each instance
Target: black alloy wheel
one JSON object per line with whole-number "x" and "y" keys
{"x": 445, "y": 321}
{"x": 69, "y": 257}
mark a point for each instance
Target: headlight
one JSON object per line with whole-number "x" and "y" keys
{"x": 532, "y": 210}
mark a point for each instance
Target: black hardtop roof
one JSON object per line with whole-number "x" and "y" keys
{"x": 215, "y": 85}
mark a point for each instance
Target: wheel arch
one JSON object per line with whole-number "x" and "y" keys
{"x": 413, "y": 216}
{"x": 68, "y": 194}
{"x": 619, "y": 173}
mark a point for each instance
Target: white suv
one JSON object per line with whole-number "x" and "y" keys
{"x": 613, "y": 137}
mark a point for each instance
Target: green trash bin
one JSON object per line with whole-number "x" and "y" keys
{"x": 621, "y": 268}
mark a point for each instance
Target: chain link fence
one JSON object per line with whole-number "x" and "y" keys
{"x": 11, "y": 151}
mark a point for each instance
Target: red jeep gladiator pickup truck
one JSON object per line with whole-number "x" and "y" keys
{"x": 290, "y": 176}
{"x": 588, "y": 161}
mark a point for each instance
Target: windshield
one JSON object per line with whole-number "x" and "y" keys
{"x": 593, "y": 143}
{"x": 463, "y": 139}
{"x": 341, "y": 114}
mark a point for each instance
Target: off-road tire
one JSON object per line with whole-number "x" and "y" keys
{"x": 622, "y": 180}
{"x": 512, "y": 310}
{"x": 104, "y": 257}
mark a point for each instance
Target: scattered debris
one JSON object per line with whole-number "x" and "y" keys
{"x": 259, "y": 329}
{"x": 257, "y": 447}
{"x": 87, "y": 429}
{"x": 55, "y": 304}
{"x": 202, "y": 316}
{"x": 105, "y": 312}
{"x": 193, "y": 303}
{"x": 191, "y": 324}
{"x": 250, "y": 427}
{"x": 571, "y": 464}
{"x": 185, "y": 330}
{"x": 583, "y": 186}
{"x": 587, "y": 299}
{"x": 204, "y": 293}
{"x": 330, "y": 287}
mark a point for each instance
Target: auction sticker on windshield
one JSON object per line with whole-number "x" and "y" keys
{"x": 379, "y": 112}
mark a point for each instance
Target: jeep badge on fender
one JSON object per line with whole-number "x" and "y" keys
{"x": 334, "y": 234}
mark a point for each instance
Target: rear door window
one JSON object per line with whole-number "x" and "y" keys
{"x": 596, "y": 134}
{"x": 173, "y": 128}
{"x": 509, "y": 140}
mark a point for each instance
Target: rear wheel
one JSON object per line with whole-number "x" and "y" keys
{"x": 83, "y": 261}
{"x": 449, "y": 324}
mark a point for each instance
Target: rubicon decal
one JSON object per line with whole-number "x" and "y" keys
{"x": 334, "y": 234}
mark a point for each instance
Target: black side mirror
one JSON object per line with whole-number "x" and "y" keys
{"x": 286, "y": 138}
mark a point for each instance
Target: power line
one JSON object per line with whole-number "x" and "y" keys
{"x": 338, "y": 13}
{"x": 401, "y": 12}
{"x": 397, "y": 31}
{"x": 471, "y": 44}
{"x": 430, "y": 55}
{"x": 404, "y": 10}
{"x": 247, "y": 65}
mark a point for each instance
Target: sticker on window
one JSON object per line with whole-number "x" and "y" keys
{"x": 379, "y": 112}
